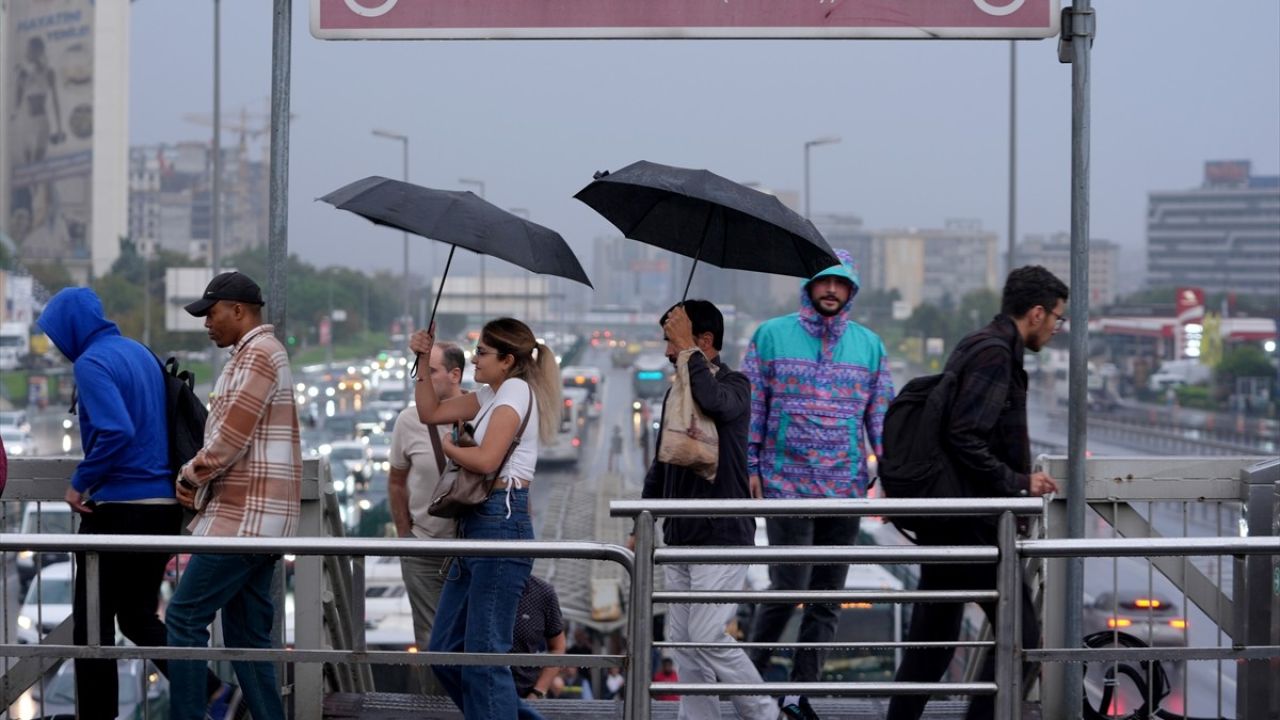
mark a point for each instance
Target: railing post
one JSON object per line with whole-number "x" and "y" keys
{"x": 1256, "y": 580}
{"x": 308, "y": 585}
{"x": 640, "y": 671}
{"x": 1009, "y": 590}
{"x": 1052, "y": 675}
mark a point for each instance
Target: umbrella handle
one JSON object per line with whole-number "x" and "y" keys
{"x": 413, "y": 371}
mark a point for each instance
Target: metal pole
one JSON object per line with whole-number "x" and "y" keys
{"x": 146, "y": 294}
{"x": 641, "y": 670}
{"x": 408, "y": 313}
{"x": 1081, "y": 19}
{"x": 215, "y": 190}
{"x": 1013, "y": 152}
{"x": 278, "y": 208}
{"x": 1009, "y": 591}
{"x": 304, "y": 707}
{"x": 827, "y": 140}
{"x": 806, "y": 179}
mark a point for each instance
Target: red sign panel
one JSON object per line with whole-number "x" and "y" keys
{"x": 570, "y": 19}
{"x": 1189, "y": 305}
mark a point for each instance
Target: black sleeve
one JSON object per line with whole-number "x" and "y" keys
{"x": 980, "y": 398}
{"x": 721, "y": 397}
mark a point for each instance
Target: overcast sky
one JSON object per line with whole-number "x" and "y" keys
{"x": 924, "y": 123}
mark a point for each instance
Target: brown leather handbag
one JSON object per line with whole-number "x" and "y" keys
{"x": 461, "y": 490}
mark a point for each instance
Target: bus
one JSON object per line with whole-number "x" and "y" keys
{"x": 650, "y": 376}
{"x": 566, "y": 447}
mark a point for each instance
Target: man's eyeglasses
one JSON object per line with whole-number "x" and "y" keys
{"x": 1058, "y": 320}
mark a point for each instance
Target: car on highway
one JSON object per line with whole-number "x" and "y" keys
{"x": 651, "y": 376}
{"x": 15, "y": 419}
{"x": 58, "y": 697}
{"x": 46, "y": 604}
{"x": 43, "y": 517}
{"x": 1153, "y": 619}
{"x": 17, "y": 442}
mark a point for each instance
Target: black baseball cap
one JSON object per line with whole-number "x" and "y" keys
{"x": 233, "y": 286}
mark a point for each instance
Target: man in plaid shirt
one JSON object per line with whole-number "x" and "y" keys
{"x": 245, "y": 482}
{"x": 987, "y": 442}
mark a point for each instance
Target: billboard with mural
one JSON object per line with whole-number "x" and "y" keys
{"x": 48, "y": 106}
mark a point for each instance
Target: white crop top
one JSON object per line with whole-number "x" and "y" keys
{"x": 513, "y": 393}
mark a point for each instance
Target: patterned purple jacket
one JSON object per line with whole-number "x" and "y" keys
{"x": 820, "y": 387}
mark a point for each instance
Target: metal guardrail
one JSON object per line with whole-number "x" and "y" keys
{"x": 646, "y": 513}
{"x": 316, "y": 640}
{"x": 1008, "y": 555}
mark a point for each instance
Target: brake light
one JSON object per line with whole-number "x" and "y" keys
{"x": 1113, "y": 623}
{"x": 577, "y": 442}
{"x": 568, "y": 403}
{"x": 1146, "y": 603}
{"x": 1178, "y": 624}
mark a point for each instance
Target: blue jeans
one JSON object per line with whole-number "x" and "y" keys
{"x": 239, "y": 586}
{"x": 477, "y": 612}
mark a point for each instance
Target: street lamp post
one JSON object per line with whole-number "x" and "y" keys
{"x": 405, "y": 316}
{"x": 479, "y": 185}
{"x": 827, "y": 140}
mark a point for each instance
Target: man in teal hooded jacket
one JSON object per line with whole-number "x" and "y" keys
{"x": 122, "y": 486}
{"x": 820, "y": 387}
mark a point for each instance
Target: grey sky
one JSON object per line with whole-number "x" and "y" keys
{"x": 924, "y": 123}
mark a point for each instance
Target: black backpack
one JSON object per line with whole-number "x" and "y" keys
{"x": 185, "y": 413}
{"x": 914, "y": 463}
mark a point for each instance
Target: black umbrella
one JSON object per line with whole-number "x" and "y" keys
{"x": 461, "y": 219}
{"x": 703, "y": 216}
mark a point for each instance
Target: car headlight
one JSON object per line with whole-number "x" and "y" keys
{"x": 339, "y": 486}
{"x": 25, "y": 622}
{"x": 26, "y": 554}
{"x": 16, "y": 449}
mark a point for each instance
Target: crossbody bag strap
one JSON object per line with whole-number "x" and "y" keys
{"x": 519, "y": 433}
{"x": 434, "y": 432}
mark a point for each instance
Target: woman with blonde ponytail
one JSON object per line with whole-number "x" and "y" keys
{"x": 519, "y": 385}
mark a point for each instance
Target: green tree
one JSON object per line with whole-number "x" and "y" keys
{"x": 1242, "y": 361}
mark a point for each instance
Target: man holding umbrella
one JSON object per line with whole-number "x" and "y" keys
{"x": 820, "y": 388}
{"x": 694, "y": 332}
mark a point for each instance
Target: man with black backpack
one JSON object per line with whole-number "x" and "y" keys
{"x": 987, "y": 453}
{"x": 124, "y": 485}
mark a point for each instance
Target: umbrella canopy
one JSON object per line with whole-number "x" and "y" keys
{"x": 701, "y": 215}
{"x": 462, "y": 219}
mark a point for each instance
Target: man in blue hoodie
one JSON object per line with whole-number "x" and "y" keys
{"x": 820, "y": 387}
{"x": 122, "y": 486}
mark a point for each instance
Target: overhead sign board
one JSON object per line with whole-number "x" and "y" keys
{"x": 690, "y": 19}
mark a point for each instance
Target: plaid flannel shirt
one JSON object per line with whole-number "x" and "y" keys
{"x": 251, "y": 461}
{"x": 987, "y": 429}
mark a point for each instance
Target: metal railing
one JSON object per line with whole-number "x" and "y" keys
{"x": 1249, "y": 617}
{"x": 1005, "y": 594}
{"x": 314, "y": 642}
{"x": 1257, "y": 648}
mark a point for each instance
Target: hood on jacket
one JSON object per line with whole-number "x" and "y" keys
{"x": 815, "y": 322}
{"x": 73, "y": 318}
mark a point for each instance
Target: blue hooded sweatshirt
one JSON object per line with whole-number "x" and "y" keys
{"x": 123, "y": 426}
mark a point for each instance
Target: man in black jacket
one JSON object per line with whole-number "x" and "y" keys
{"x": 987, "y": 442}
{"x": 725, "y": 398}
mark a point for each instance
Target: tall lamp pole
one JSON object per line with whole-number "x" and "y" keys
{"x": 405, "y": 315}
{"x": 828, "y": 140}
{"x": 1013, "y": 153}
{"x": 215, "y": 191}
{"x": 484, "y": 314}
